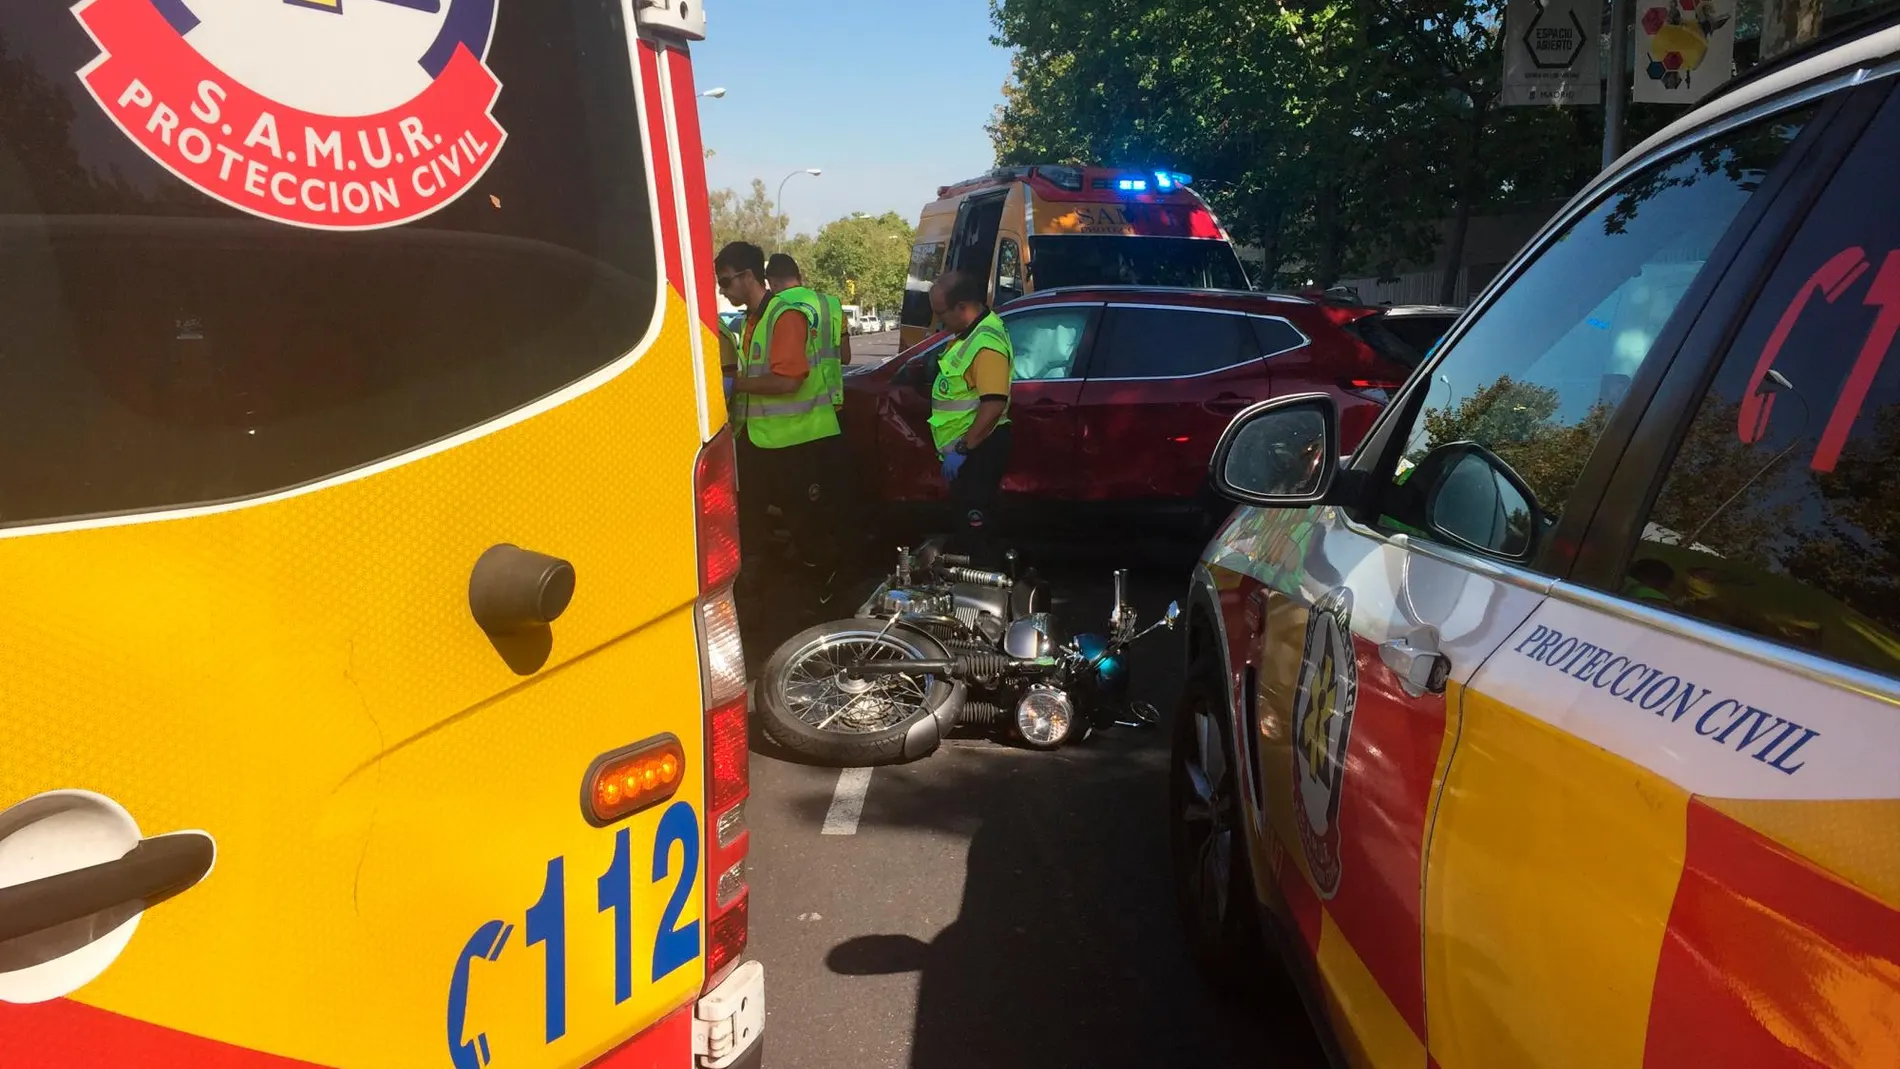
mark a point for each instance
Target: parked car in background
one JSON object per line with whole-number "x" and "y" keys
{"x": 1121, "y": 392}
{"x": 1556, "y": 725}
{"x": 853, "y": 316}
{"x": 869, "y": 323}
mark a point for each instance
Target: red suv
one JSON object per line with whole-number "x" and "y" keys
{"x": 1121, "y": 391}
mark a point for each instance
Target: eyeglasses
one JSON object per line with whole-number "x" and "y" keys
{"x": 726, "y": 281}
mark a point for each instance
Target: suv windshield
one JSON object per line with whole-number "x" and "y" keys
{"x": 162, "y": 347}
{"x": 1100, "y": 260}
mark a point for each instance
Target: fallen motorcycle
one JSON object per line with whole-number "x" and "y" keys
{"x": 938, "y": 645}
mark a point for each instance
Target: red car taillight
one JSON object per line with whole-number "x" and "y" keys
{"x": 723, "y": 685}
{"x": 1379, "y": 390}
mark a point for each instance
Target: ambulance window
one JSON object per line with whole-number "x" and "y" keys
{"x": 1009, "y": 271}
{"x": 1780, "y": 512}
{"x": 163, "y": 348}
{"x": 926, "y": 263}
{"x": 1536, "y": 376}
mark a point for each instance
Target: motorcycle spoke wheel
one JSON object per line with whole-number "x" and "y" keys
{"x": 821, "y": 691}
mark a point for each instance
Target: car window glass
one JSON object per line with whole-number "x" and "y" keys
{"x": 1046, "y": 341}
{"x": 162, "y": 349}
{"x": 1275, "y": 335}
{"x": 1151, "y": 343}
{"x": 1535, "y": 378}
{"x": 1420, "y": 332}
{"x": 1780, "y": 512}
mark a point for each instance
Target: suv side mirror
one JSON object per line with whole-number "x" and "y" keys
{"x": 1474, "y": 499}
{"x": 1280, "y": 453}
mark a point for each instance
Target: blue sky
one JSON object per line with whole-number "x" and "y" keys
{"x": 889, "y": 97}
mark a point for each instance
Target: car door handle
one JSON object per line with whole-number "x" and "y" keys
{"x": 154, "y": 870}
{"x": 1226, "y": 403}
{"x": 1045, "y": 406}
{"x": 1415, "y": 659}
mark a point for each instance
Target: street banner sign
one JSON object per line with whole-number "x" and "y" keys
{"x": 1551, "y": 52}
{"x": 1684, "y": 49}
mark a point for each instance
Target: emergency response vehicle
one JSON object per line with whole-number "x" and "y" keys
{"x": 1557, "y": 724}
{"x": 373, "y": 692}
{"x": 1044, "y": 227}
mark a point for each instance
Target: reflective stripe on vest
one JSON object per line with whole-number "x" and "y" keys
{"x": 775, "y": 421}
{"x": 831, "y": 343}
{"x": 953, "y": 401}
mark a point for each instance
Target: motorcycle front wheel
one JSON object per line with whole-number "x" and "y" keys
{"x": 814, "y": 705}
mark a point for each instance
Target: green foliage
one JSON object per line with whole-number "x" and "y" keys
{"x": 1333, "y": 134}
{"x": 861, "y": 259}
{"x": 751, "y": 218}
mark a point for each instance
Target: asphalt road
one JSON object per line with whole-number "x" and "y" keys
{"x": 991, "y": 906}
{"x": 873, "y": 348}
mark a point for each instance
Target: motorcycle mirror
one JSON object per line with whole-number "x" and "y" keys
{"x": 1172, "y": 615}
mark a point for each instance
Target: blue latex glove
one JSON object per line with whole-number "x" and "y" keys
{"x": 952, "y": 463}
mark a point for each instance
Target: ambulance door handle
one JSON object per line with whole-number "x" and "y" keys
{"x": 149, "y": 873}
{"x": 513, "y": 589}
{"x": 1415, "y": 659}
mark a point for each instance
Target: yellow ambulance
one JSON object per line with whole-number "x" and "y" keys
{"x": 1045, "y": 227}
{"x": 373, "y": 693}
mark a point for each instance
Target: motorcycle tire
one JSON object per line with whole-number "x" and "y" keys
{"x": 887, "y": 728}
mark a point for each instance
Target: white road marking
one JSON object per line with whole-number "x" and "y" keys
{"x": 847, "y": 802}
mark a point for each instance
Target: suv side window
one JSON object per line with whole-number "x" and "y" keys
{"x": 1780, "y": 512}
{"x": 1166, "y": 343}
{"x": 1535, "y": 378}
{"x": 1047, "y": 341}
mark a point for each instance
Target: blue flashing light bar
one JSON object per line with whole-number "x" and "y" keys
{"x": 1132, "y": 185}
{"x": 1167, "y": 180}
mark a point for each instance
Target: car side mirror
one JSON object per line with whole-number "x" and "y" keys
{"x": 1281, "y": 453}
{"x": 1474, "y": 499}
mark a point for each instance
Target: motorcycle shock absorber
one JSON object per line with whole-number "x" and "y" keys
{"x": 984, "y": 667}
{"x": 977, "y": 576}
{"x": 980, "y": 714}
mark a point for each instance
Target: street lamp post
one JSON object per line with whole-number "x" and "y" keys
{"x": 715, "y": 92}
{"x": 779, "y": 200}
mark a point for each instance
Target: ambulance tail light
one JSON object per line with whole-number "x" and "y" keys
{"x": 716, "y": 498}
{"x": 723, "y": 687}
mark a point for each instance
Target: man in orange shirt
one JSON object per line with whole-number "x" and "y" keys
{"x": 785, "y": 424}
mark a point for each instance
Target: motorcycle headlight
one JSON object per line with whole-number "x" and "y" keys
{"x": 1044, "y": 716}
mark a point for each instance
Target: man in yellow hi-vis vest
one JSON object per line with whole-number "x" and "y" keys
{"x": 834, "y": 341}
{"x": 969, "y": 408}
{"x": 783, "y": 419}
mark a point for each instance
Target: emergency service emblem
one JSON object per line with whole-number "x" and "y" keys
{"x": 330, "y": 114}
{"x": 1322, "y": 725}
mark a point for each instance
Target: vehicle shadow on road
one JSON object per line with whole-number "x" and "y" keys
{"x": 1066, "y": 950}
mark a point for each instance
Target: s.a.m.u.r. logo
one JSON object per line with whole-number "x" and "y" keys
{"x": 1322, "y": 727}
{"x": 334, "y": 114}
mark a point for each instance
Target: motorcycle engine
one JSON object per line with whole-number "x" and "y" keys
{"x": 914, "y": 601}
{"x": 1032, "y": 636}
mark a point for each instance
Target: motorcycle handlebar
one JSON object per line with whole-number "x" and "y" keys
{"x": 954, "y": 560}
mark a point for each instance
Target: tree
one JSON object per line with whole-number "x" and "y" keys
{"x": 866, "y": 257}
{"x": 752, "y": 219}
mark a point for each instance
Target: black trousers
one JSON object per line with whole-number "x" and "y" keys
{"x": 798, "y": 480}
{"x": 973, "y": 496}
